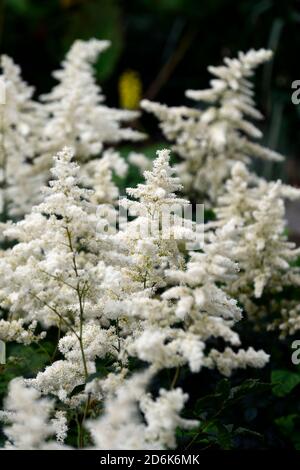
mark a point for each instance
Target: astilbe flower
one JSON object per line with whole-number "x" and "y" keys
{"x": 289, "y": 321}
{"x": 61, "y": 272}
{"x": 162, "y": 416}
{"x": 212, "y": 139}
{"x": 132, "y": 418}
{"x": 60, "y": 425}
{"x": 141, "y": 293}
{"x": 180, "y": 331}
{"x": 61, "y": 377}
{"x": 77, "y": 116}
{"x": 72, "y": 114}
{"x": 122, "y": 427}
{"x": 21, "y": 122}
{"x": 102, "y": 172}
{"x": 28, "y": 418}
{"x": 156, "y": 237}
{"x": 261, "y": 247}
{"x": 15, "y": 330}
{"x": 171, "y": 329}
{"x": 54, "y": 273}
{"x": 153, "y": 241}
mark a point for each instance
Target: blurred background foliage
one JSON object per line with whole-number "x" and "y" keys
{"x": 162, "y": 47}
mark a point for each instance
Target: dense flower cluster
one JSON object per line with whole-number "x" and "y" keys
{"x": 134, "y": 291}
{"x": 21, "y": 123}
{"x": 261, "y": 248}
{"x": 212, "y": 139}
{"x": 72, "y": 114}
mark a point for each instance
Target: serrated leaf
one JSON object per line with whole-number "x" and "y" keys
{"x": 286, "y": 424}
{"x": 250, "y": 385}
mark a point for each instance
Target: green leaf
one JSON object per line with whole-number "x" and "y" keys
{"x": 248, "y": 386}
{"x": 20, "y": 6}
{"x": 224, "y": 437}
{"x": 208, "y": 403}
{"x": 243, "y": 431}
{"x": 284, "y": 381}
{"x": 286, "y": 424}
{"x": 296, "y": 441}
{"x": 223, "y": 388}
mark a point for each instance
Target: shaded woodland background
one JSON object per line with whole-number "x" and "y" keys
{"x": 169, "y": 44}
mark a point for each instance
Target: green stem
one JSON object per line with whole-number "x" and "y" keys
{"x": 86, "y": 409}
{"x": 79, "y": 432}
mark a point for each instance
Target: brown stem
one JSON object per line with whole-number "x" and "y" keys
{"x": 175, "y": 378}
